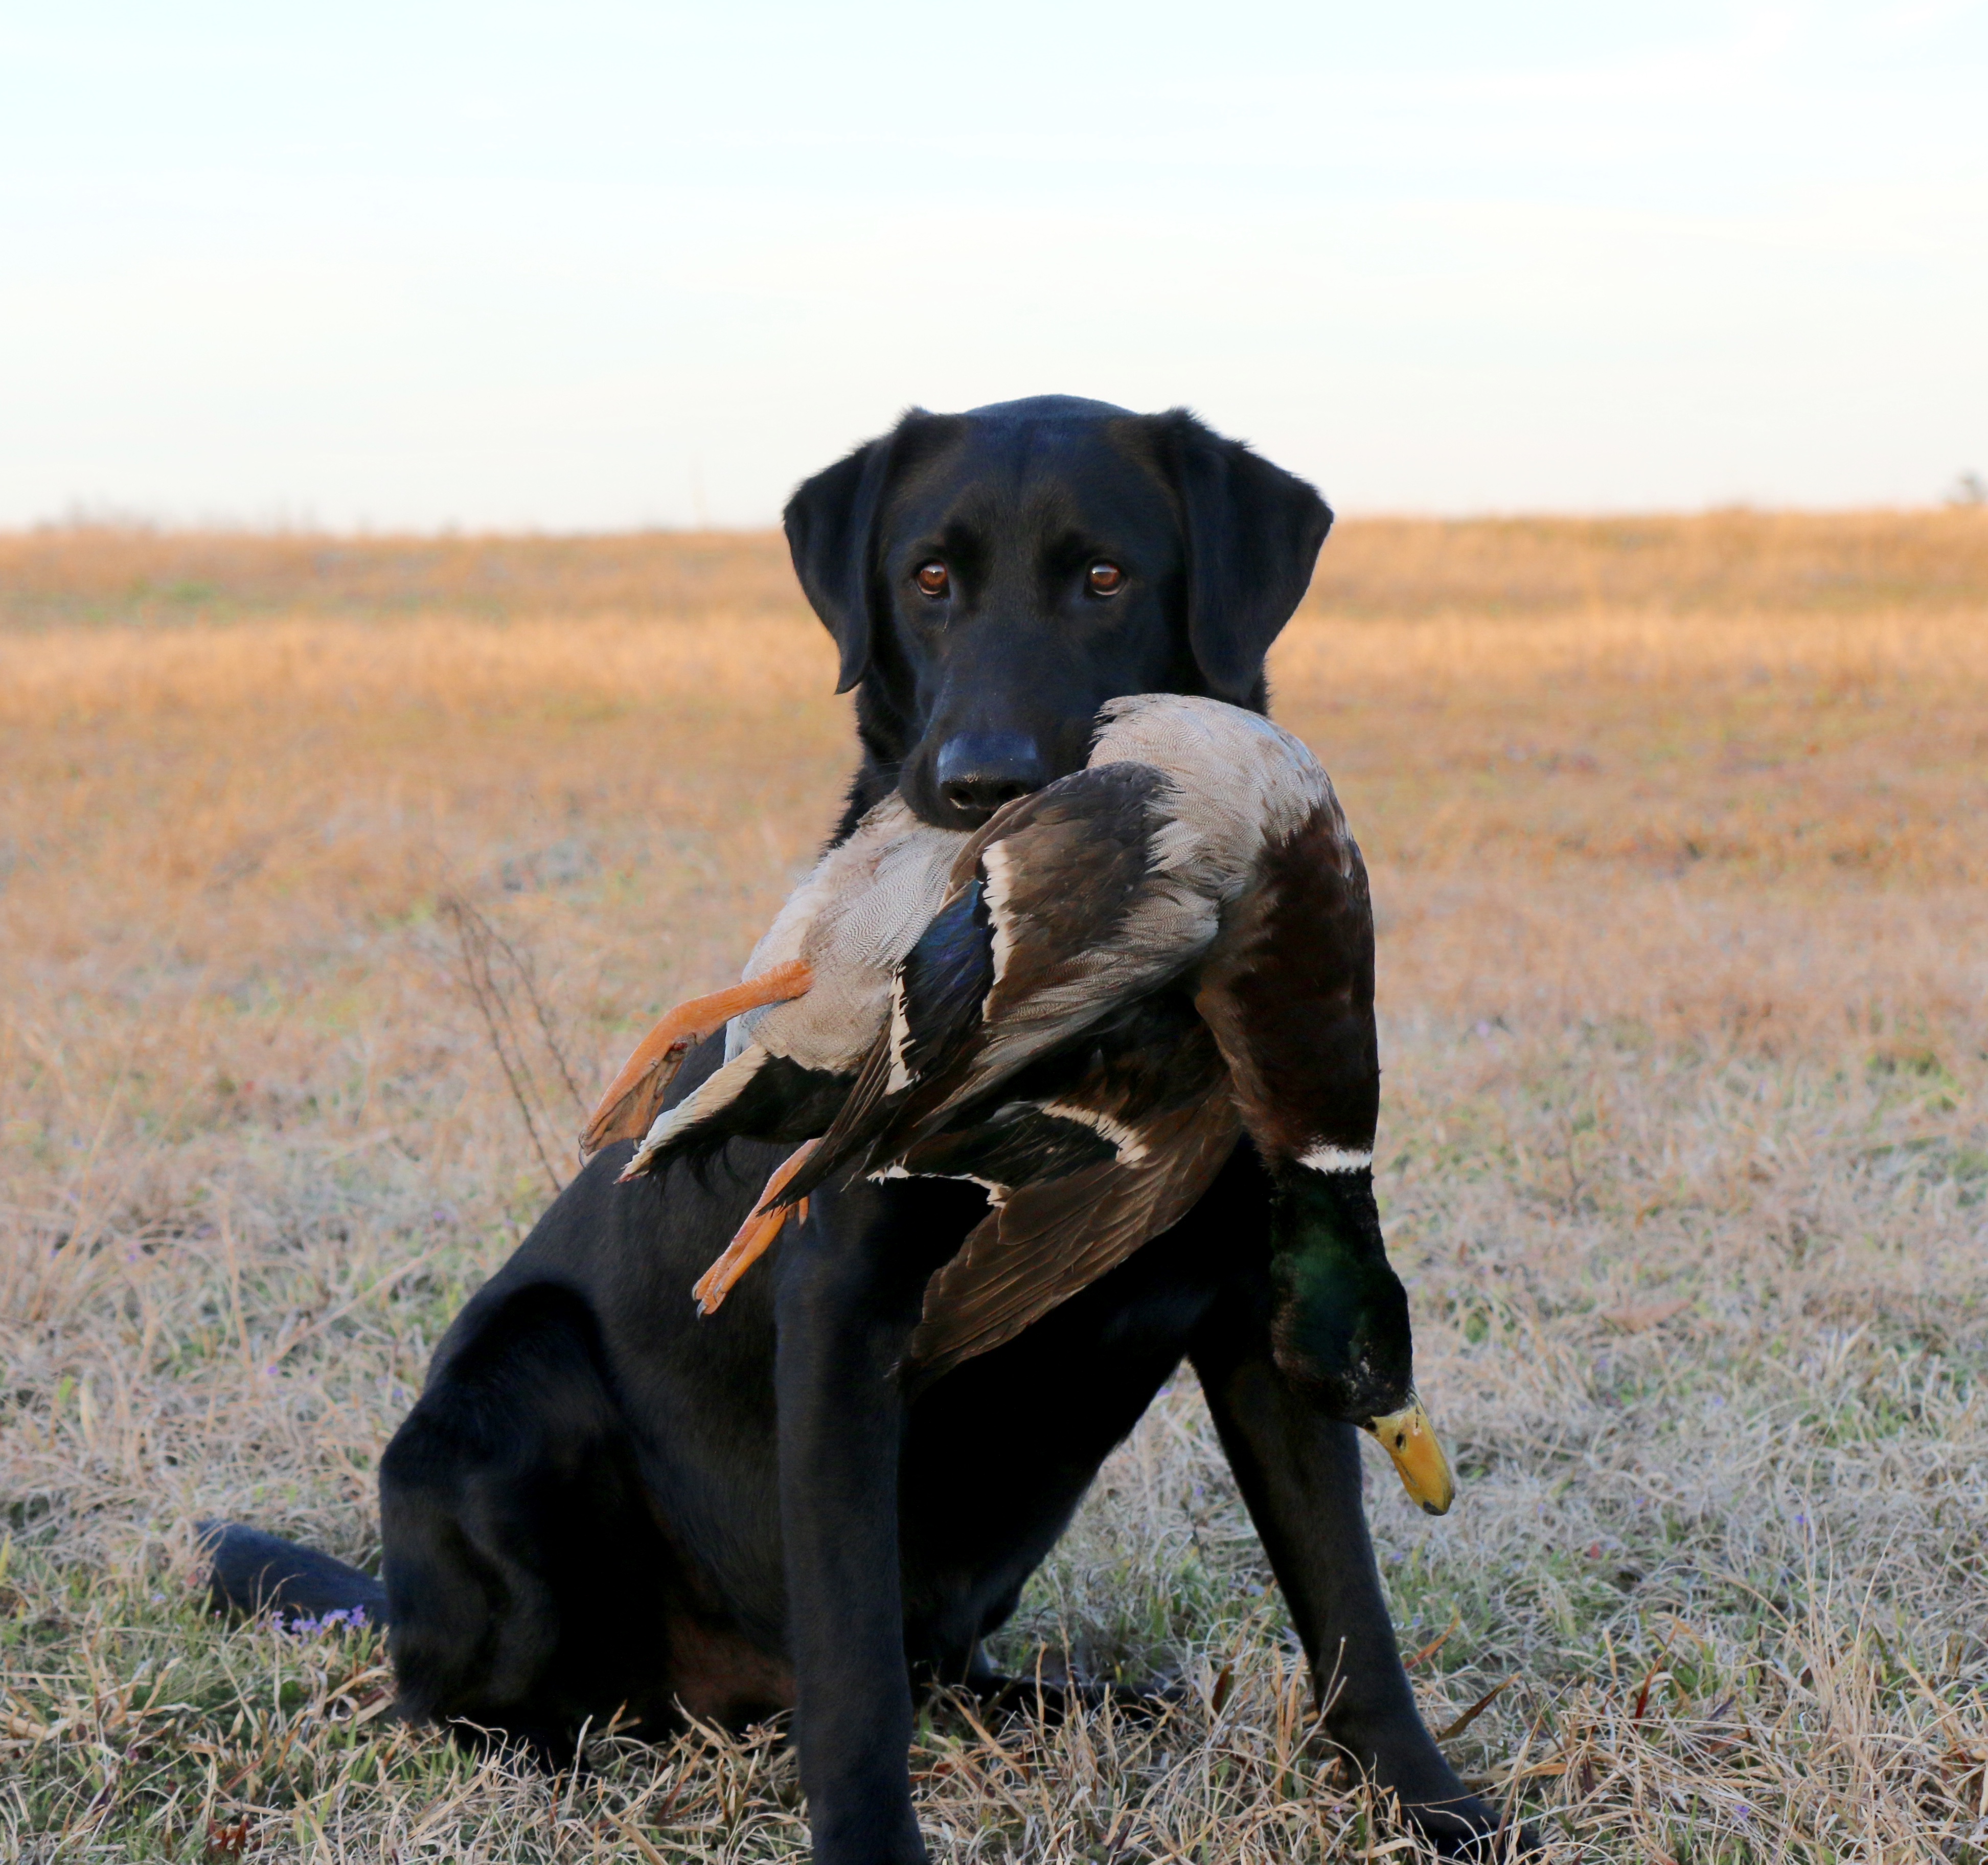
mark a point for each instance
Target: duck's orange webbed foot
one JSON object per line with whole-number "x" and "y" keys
{"x": 755, "y": 1234}
{"x": 635, "y": 1096}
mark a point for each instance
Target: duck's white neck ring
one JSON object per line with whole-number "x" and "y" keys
{"x": 1336, "y": 1158}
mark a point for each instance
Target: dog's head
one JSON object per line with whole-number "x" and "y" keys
{"x": 993, "y": 578}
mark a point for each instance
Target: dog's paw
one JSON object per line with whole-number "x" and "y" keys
{"x": 1471, "y": 1829}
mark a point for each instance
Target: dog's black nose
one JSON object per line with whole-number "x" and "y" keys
{"x": 979, "y": 771}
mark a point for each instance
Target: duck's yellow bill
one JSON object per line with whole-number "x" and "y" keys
{"x": 1409, "y": 1438}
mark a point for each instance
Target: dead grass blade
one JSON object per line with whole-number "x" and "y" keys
{"x": 495, "y": 974}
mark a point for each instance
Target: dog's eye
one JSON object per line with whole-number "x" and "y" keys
{"x": 932, "y": 580}
{"x": 1106, "y": 579}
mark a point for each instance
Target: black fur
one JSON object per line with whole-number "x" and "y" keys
{"x": 250, "y": 1571}
{"x": 601, "y": 1501}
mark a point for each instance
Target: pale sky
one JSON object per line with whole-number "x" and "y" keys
{"x": 591, "y": 265}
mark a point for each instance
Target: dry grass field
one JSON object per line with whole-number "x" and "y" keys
{"x": 334, "y": 875}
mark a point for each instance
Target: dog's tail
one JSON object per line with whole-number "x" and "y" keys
{"x": 250, "y": 1571}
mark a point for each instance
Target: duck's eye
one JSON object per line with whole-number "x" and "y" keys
{"x": 932, "y": 580}
{"x": 1106, "y": 579}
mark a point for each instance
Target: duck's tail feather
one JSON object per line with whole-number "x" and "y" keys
{"x": 682, "y": 1128}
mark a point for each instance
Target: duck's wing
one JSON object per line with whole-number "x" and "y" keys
{"x": 1092, "y": 1151}
{"x": 1064, "y": 907}
{"x": 1086, "y": 910}
{"x": 1096, "y": 1099}
{"x": 1288, "y": 994}
{"x": 1049, "y": 1240}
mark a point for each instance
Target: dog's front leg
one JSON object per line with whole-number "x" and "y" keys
{"x": 850, "y": 1280}
{"x": 1299, "y": 1472}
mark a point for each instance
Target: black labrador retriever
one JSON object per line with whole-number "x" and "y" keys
{"x": 600, "y": 1501}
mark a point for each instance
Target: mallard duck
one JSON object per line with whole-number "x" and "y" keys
{"x": 1123, "y": 971}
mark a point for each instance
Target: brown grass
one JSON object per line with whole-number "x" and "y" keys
{"x": 1677, "y": 830}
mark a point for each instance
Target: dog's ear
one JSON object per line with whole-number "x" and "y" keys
{"x": 1253, "y": 532}
{"x": 831, "y": 526}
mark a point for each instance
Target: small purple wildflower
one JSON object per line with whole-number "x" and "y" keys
{"x": 352, "y": 1619}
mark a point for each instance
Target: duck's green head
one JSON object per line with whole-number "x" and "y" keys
{"x": 1340, "y": 1324}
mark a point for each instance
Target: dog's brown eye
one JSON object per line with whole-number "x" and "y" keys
{"x": 1106, "y": 579}
{"x": 932, "y": 579}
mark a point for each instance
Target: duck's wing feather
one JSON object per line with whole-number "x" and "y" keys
{"x": 1035, "y": 943}
{"x": 1094, "y": 1100}
{"x": 756, "y": 1095}
{"x": 1094, "y": 1149}
{"x": 1048, "y": 1241}
{"x": 1087, "y": 912}
{"x": 935, "y": 1008}
{"x": 1064, "y": 908}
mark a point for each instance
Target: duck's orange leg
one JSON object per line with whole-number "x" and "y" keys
{"x": 635, "y": 1097}
{"x": 755, "y": 1234}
